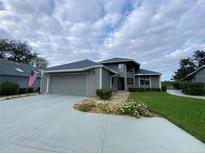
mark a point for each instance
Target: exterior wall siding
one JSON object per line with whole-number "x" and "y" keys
{"x": 200, "y": 76}
{"x": 21, "y": 80}
{"x": 105, "y": 78}
{"x": 93, "y": 81}
{"x": 155, "y": 81}
{"x": 44, "y": 83}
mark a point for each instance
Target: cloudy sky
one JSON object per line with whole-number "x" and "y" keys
{"x": 156, "y": 33}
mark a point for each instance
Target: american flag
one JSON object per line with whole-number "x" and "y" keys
{"x": 32, "y": 78}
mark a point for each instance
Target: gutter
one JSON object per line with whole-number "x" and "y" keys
{"x": 147, "y": 74}
{"x": 80, "y": 69}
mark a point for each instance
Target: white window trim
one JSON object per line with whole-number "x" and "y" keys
{"x": 139, "y": 82}
{"x": 150, "y": 81}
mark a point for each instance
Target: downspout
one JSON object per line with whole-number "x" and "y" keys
{"x": 111, "y": 79}
{"x": 47, "y": 84}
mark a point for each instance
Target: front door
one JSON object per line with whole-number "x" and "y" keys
{"x": 121, "y": 84}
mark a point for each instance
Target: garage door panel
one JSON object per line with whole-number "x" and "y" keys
{"x": 69, "y": 84}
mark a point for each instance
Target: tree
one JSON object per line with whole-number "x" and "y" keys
{"x": 40, "y": 63}
{"x": 199, "y": 57}
{"x": 21, "y": 52}
{"x": 16, "y": 51}
{"x": 188, "y": 65}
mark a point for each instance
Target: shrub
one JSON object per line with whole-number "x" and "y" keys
{"x": 177, "y": 85}
{"x": 22, "y": 90}
{"x": 164, "y": 88}
{"x": 104, "y": 94}
{"x": 86, "y": 107}
{"x": 30, "y": 90}
{"x": 193, "y": 88}
{"x": 155, "y": 89}
{"x": 133, "y": 107}
{"x": 106, "y": 107}
{"x": 9, "y": 88}
{"x": 38, "y": 89}
{"x": 136, "y": 89}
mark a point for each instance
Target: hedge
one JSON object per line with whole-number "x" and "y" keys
{"x": 104, "y": 94}
{"x": 30, "y": 90}
{"x": 195, "y": 88}
{"x": 164, "y": 88}
{"x": 177, "y": 85}
{"x": 9, "y": 88}
{"x": 136, "y": 89}
{"x": 22, "y": 90}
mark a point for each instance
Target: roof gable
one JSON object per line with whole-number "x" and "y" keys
{"x": 146, "y": 72}
{"x": 118, "y": 60}
{"x": 74, "y": 65}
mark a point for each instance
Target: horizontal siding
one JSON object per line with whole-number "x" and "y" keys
{"x": 22, "y": 81}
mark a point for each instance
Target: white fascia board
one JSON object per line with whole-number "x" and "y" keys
{"x": 148, "y": 74}
{"x": 82, "y": 69}
{"x": 72, "y": 70}
{"x": 121, "y": 61}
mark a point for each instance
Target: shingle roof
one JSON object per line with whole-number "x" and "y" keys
{"x": 16, "y": 69}
{"x": 117, "y": 59}
{"x": 143, "y": 71}
{"x": 74, "y": 65}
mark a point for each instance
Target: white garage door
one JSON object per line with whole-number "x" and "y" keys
{"x": 73, "y": 84}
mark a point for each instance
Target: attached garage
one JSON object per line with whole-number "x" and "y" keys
{"x": 80, "y": 78}
{"x": 71, "y": 84}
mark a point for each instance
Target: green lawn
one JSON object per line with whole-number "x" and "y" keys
{"x": 187, "y": 113}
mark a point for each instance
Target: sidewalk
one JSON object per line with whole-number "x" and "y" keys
{"x": 179, "y": 93}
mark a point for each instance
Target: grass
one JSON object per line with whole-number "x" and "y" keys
{"x": 187, "y": 113}
{"x": 6, "y": 97}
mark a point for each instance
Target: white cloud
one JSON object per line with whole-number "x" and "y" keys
{"x": 156, "y": 33}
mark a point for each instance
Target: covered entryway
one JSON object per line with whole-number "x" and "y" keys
{"x": 70, "y": 84}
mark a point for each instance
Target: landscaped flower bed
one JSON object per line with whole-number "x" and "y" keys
{"x": 132, "y": 107}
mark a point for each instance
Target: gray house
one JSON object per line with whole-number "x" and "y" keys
{"x": 196, "y": 76}
{"x": 18, "y": 73}
{"x": 84, "y": 77}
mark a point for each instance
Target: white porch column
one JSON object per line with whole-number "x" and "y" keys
{"x": 100, "y": 82}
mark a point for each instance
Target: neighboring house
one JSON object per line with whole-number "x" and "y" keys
{"x": 196, "y": 76}
{"x": 17, "y": 72}
{"x": 84, "y": 77}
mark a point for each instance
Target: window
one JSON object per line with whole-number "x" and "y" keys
{"x": 121, "y": 67}
{"x": 130, "y": 81}
{"x": 19, "y": 70}
{"x": 112, "y": 82}
{"x": 144, "y": 81}
{"x": 130, "y": 68}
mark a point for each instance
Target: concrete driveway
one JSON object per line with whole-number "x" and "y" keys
{"x": 48, "y": 123}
